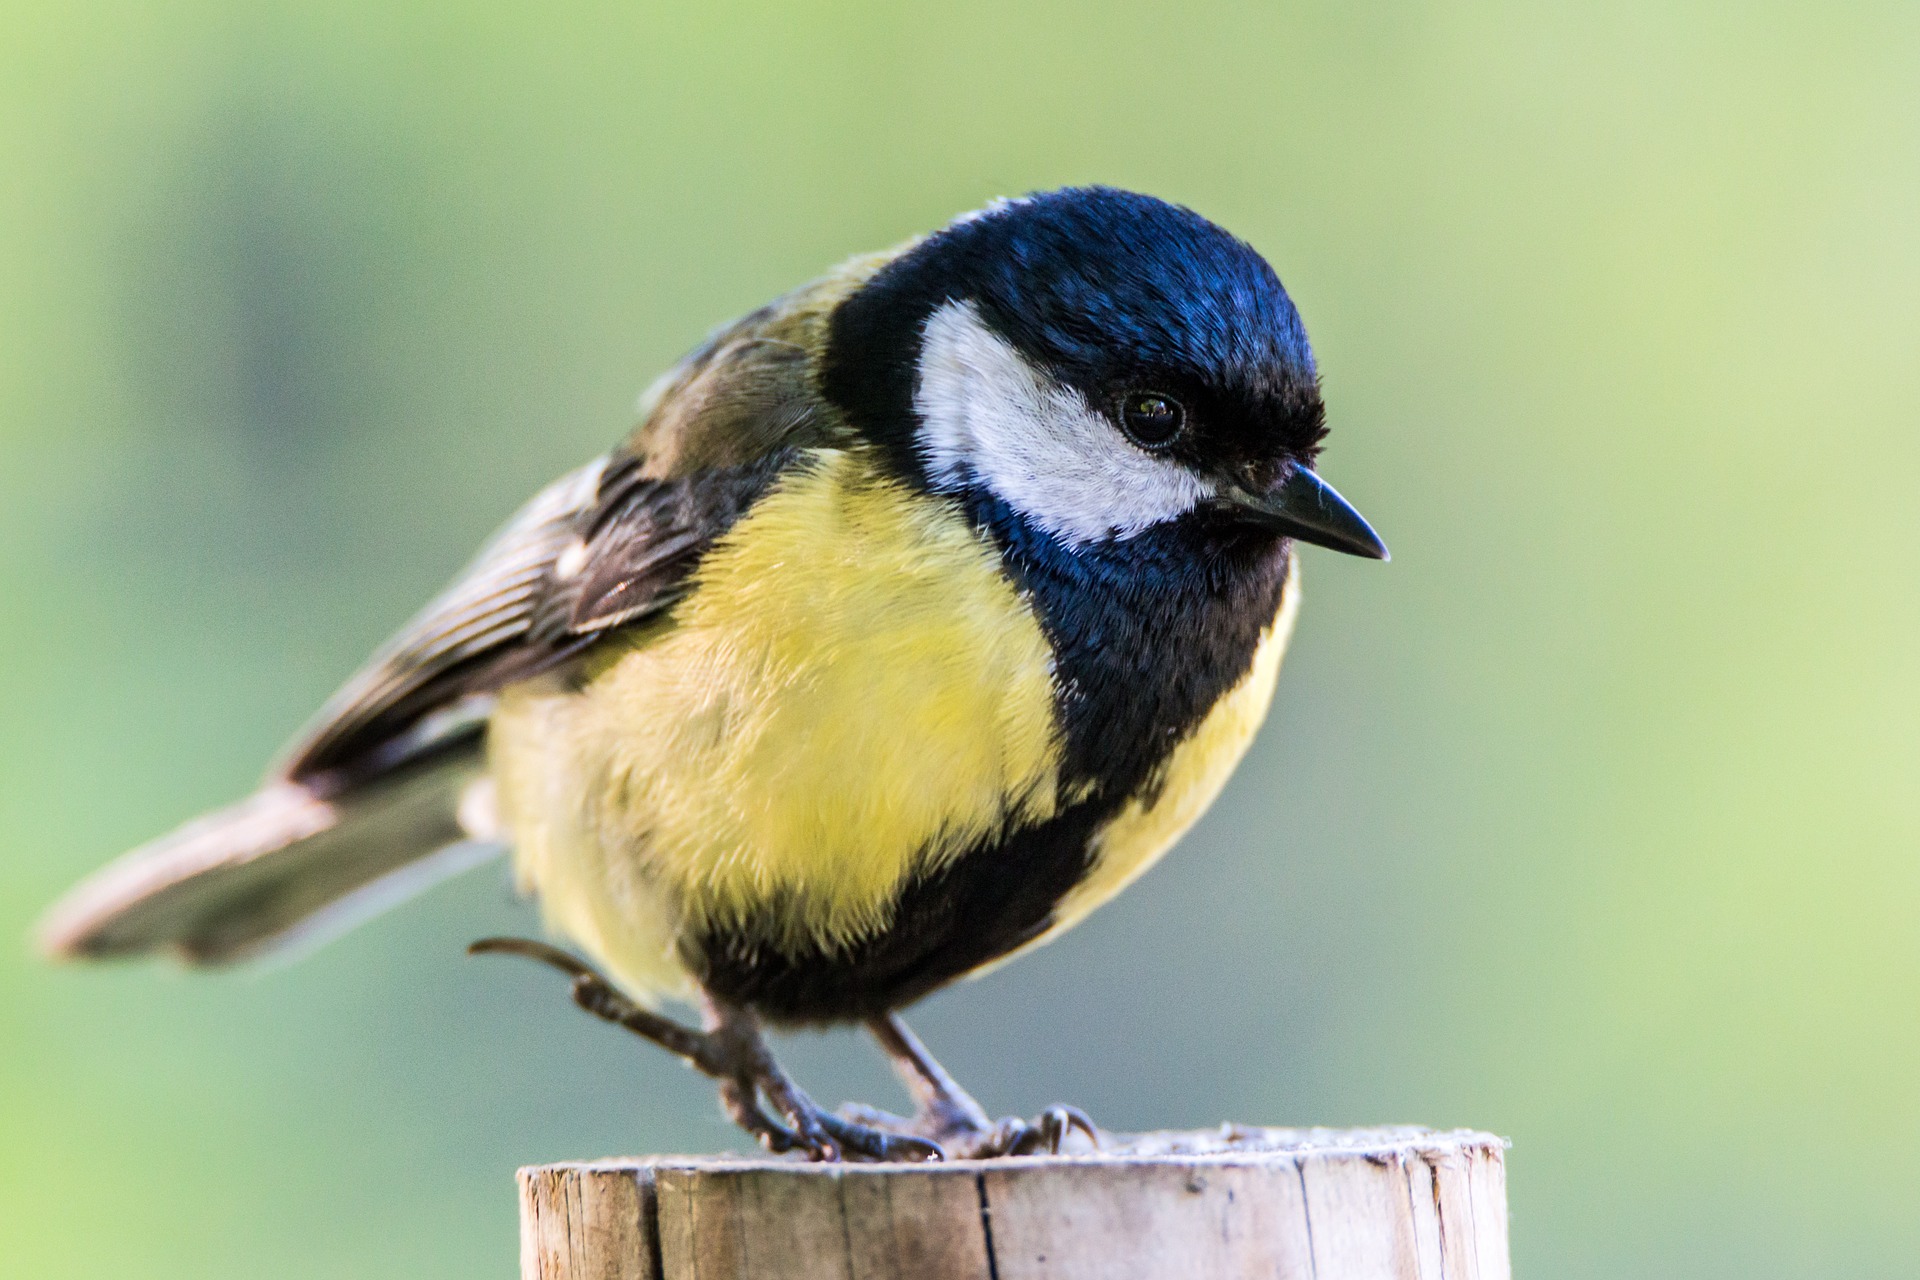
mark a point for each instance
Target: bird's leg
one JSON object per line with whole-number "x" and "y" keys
{"x": 941, "y": 1108}
{"x": 731, "y": 1050}
{"x": 948, "y": 1114}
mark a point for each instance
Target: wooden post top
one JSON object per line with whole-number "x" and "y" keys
{"x": 1397, "y": 1203}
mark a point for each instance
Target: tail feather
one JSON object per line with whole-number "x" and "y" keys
{"x": 282, "y": 865}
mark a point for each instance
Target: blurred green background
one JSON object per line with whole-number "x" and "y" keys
{"x": 1591, "y": 820}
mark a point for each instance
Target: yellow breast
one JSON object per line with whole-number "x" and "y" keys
{"x": 851, "y": 694}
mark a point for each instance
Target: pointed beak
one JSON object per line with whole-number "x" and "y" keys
{"x": 1308, "y": 509}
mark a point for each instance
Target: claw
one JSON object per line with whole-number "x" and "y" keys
{"x": 1047, "y": 1134}
{"x": 1060, "y": 1120}
{"x": 811, "y": 1140}
{"x": 1004, "y": 1139}
{"x": 742, "y": 1105}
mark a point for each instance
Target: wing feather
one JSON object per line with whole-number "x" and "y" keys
{"x": 491, "y": 603}
{"x": 605, "y": 546}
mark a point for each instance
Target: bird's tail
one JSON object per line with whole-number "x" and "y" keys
{"x": 294, "y": 862}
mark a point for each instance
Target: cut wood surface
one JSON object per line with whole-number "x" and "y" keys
{"x": 1318, "y": 1204}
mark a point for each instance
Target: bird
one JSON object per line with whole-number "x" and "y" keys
{"x": 921, "y": 612}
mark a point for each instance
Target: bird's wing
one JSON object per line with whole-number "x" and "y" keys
{"x": 604, "y": 547}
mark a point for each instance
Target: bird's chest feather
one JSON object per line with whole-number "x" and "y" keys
{"x": 852, "y": 694}
{"x": 1163, "y": 657}
{"x": 873, "y": 749}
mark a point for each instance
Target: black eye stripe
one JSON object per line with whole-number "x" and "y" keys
{"x": 1152, "y": 419}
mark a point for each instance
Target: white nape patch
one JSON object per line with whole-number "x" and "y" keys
{"x": 988, "y": 416}
{"x": 991, "y": 209}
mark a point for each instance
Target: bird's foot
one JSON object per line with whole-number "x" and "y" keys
{"x": 947, "y": 1114}
{"x": 964, "y": 1138}
{"x": 732, "y": 1051}
{"x": 823, "y": 1135}
{"x": 1047, "y": 1134}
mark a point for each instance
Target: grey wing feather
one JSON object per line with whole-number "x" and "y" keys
{"x": 492, "y": 603}
{"x": 284, "y": 865}
{"x": 647, "y": 534}
{"x": 605, "y": 546}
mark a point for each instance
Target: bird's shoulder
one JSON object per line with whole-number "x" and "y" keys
{"x": 752, "y": 387}
{"x": 603, "y": 549}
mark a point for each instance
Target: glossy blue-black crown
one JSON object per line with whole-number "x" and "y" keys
{"x": 1108, "y": 291}
{"x": 1090, "y": 278}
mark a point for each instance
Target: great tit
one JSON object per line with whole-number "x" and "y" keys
{"x": 924, "y": 609}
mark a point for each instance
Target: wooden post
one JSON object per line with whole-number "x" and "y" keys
{"x": 1317, "y": 1204}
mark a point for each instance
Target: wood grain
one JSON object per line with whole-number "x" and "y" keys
{"x": 1291, "y": 1204}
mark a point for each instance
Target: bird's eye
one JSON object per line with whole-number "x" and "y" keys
{"x": 1151, "y": 419}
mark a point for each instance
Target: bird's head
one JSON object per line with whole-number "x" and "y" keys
{"x": 1102, "y": 363}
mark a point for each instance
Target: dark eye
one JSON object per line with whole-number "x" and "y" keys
{"x": 1152, "y": 419}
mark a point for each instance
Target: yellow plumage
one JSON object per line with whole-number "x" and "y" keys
{"x": 852, "y": 693}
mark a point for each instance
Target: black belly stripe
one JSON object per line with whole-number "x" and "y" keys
{"x": 1147, "y": 635}
{"x": 989, "y": 901}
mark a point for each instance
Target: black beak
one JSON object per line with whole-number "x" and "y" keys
{"x": 1306, "y": 508}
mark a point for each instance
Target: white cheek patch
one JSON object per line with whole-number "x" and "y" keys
{"x": 989, "y": 417}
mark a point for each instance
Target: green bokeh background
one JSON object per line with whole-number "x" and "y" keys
{"x": 1591, "y": 820}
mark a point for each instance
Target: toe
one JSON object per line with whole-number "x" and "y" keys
{"x": 873, "y": 1117}
{"x": 877, "y": 1144}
